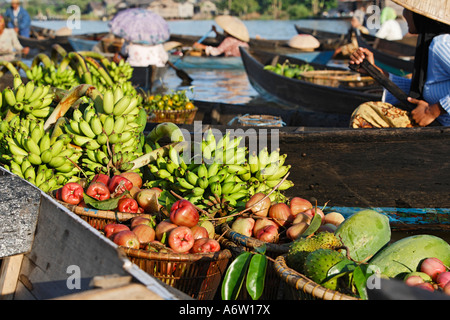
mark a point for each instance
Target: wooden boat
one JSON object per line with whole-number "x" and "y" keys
{"x": 42, "y": 40}
{"x": 64, "y": 258}
{"x": 302, "y": 94}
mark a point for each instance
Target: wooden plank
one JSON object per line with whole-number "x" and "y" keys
{"x": 9, "y": 275}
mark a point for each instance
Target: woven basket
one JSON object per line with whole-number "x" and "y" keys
{"x": 175, "y": 116}
{"x": 272, "y": 284}
{"x": 302, "y": 288}
{"x": 198, "y": 275}
{"x": 98, "y": 219}
{"x": 356, "y": 81}
{"x": 325, "y": 77}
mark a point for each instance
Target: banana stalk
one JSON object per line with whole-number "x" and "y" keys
{"x": 100, "y": 69}
{"x": 153, "y": 155}
{"x": 85, "y": 74}
{"x": 166, "y": 129}
{"x": 42, "y": 57}
{"x": 6, "y": 65}
{"x": 57, "y": 50}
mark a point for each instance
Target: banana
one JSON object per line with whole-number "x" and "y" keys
{"x": 286, "y": 185}
{"x": 42, "y": 113}
{"x": 16, "y": 150}
{"x": 108, "y": 102}
{"x": 96, "y": 125}
{"x": 46, "y": 156}
{"x": 263, "y": 158}
{"x": 57, "y": 162}
{"x": 227, "y": 188}
{"x": 17, "y": 81}
{"x": 202, "y": 171}
{"x": 238, "y": 195}
{"x": 184, "y": 183}
{"x": 77, "y": 115}
{"x": 79, "y": 140}
{"x": 268, "y": 171}
{"x": 191, "y": 177}
{"x": 89, "y": 112}
{"x": 238, "y": 187}
{"x": 10, "y": 97}
{"x": 32, "y": 146}
{"x": 34, "y": 159}
{"x": 121, "y": 105}
{"x": 92, "y": 145}
{"x": 119, "y": 124}
{"x": 36, "y": 93}
{"x": 102, "y": 139}
{"x": 74, "y": 126}
{"x": 163, "y": 174}
{"x": 173, "y": 155}
{"x": 29, "y": 88}
{"x": 108, "y": 126}
{"x": 66, "y": 167}
{"x": 132, "y": 106}
{"x": 36, "y": 134}
{"x": 213, "y": 169}
{"x": 57, "y": 147}
{"x": 86, "y": 129}
{"x": 30, "y": 174}
{"x": 114, "y": 138}
{"x": 216, "y": 188}
{"x": 236, "y": 169}
{"x": 118, "y": 94}
{"x": 20, "y": 93}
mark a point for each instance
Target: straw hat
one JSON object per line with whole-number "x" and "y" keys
{"x": 169, "y": 45}
{"x": 234, "y": 27}
{"x": 438, "y": 10}
{"x": 304, "y": 42}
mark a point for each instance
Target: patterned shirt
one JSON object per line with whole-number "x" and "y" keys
{"x": 9, "y": 45}
{"x": 143, "y": 56}
{"x": 229, "y": 47}
{"x": 437, "y": 85}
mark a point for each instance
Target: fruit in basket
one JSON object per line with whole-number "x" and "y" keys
{"x": 296, "y": 230}
{"x": 72, "y": 193}
{"x": 100, "y": 177}
{"x": 142, "y": 220}
{"x": 183, "y": 213}
{"x": 433, "y": 267}
{"x": 209, "y": 227}
{"x": 144, "y": 232}
{"x": 172, "y": 101}
{"x": 119, "y": 184}
{"x": 258, "y": 207}
{"x": 443, "y": 279}
{"x": 164, "y": 227}
{"x": 181, "y": 239}
{"x": 126, "y": 238}
{"x": 113, "y": 228}
{"x": 364, "y": 233}
{"x": 302, "y": 217}
{"x": 243, "y": 226}
{"x": 127, "y": 205}
{"x": 205, "y": 245}
{"x": 261, "y": 223}
{"x": 98, "y": 191}
{"x": 268, "y": 233}
{"x": 300, "y": 248}
{"x": 148, "y": 199}
{"x": 313, "y": 211}
{"x": 318, "y": 263}
{"x": 134, "y": 177}
{"x": 299, "y": 205}
{"x": 281, "y": 214}
{"x": 404, "y": 255}
{"x": 199, "y": 232}
{"x": 334, "y": 218}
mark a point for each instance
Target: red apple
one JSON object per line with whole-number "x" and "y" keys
{"x": 142, "y": 220}
{"x": 281, "y": 214}
{"x": 296, "y": 230}
{"x": 261, "y": 209}
{"x": 199, "y": 232}
{"x": 148, "y": 199}
{"x": 126, "y": 238}
{"x": 204, "y": 245}
{"x": 243, "y": 226}
{"x": 426, "y": 285}
{"x": 268, "y": 234}
{"x": 181, "y": 239}
{"x": 164, "y": 226}
{"x": 134, "y": 177}
{"x": 432, "y": 267}
{"x": 261, "y": 223}
{"x": 183, "y": 213}
{"x": 112, "y": 228}
{"x": 144, "y": 232}
{"x": 100, "y": 177}
{"x": 298, "y": 205}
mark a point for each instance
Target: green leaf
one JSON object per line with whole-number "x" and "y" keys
{"x": 261, "y": 249}
{"x": 234, "y": 277}
{"x": 256, "y": 275}
{"x": 341, "y": 268}
{"x": 315, "y": 224}
{"x": 110, "y": 204}
{"x": 360, "y": 279}
{"x": 166, "y": 199}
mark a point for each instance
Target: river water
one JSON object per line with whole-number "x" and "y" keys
{"x": 228, "y": 86}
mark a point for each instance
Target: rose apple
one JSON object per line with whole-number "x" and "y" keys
{"x": 118, "y": 184}
{"x": 261, "y": 223}
{"x": 296, "y": 230}
{"x": 133, "y": 192}
{"x": 148, "y": 199}
{"x": 281, "y": 214}
{"x": 298, "y": 205}
{"x": 268, "y": 234}
{"x": 334, "y": 218}
{"x": 134, "y": 177}
{"x": 204, "y": 245}
{"x": 199, "y": 232}
{"x": 144, "y": 232}
{"x": 243, "y": 226}
{"x": 164, "y": 226}
{"x": 302, "y": 217}
{"x": 72, "y": 193}
{"x": 98, "y": 191}
{"x": 126, "y": 238}
{"x": 262, "y": 208}
{"x": 58, "y": 194}
{"x": 208, "y": 226}
{"x": 101, "y": 177}
{"x": 183, "y": 213}
{"x": 128, "y": 205}
{"x": 113, "y": 228}
{"x": 443, "y": 279}
{"x": 313, "y": 211}
{"x": 432, "y": 267}
{"x": 142, "y": 220}
{"x": 181, "y": 239}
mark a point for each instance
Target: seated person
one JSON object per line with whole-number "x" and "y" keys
{"x": 10, "y": 47}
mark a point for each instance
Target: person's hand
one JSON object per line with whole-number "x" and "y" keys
{"x": 26, "y": 50}
{"x": 198, "y": 46}
{"x": 358, "y": 56}
{"x": 16, "y": 30}
{"x": 424, "y": 113}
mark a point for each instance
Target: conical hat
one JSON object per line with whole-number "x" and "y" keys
{"x": 234, "y": 27}
{"x": 304, "y": 42}
{"x": 438, "y": 10}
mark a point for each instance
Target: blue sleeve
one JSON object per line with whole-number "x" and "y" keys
{"x": 9, "y": 18}
{"x": 403, "y": 83}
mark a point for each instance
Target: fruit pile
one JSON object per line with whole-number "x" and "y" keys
{"x": 173, "y": 101}
{"x": 288, "y": 69}
{"x": 344, "y": 258}
{"x": 433, "y": 276}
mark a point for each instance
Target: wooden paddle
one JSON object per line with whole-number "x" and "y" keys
{"x": 183, "y": 75}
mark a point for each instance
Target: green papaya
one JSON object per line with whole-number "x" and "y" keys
{"x": 405, "y": 255}
{"x": 364, "y": 233}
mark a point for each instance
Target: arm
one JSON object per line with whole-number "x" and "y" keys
{"x": 359, "y": 55}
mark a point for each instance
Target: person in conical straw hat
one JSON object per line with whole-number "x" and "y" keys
{"x": 236, "y": 35}
{"x": 429, "y": 86}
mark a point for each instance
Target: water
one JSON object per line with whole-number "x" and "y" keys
{"x": 227, "y": 86}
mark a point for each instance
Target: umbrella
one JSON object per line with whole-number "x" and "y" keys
{"x": 140, "y": 26}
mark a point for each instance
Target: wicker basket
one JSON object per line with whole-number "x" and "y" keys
{"x": 175, "y": 116}
{"x": 302, "y": 288}
{"x": 325, "y": 77}
{"x": 356, "y": 81}
{"x": 198, "y": 275}
{"x": 272, "y": 287}
{"x": 98, "y": 219}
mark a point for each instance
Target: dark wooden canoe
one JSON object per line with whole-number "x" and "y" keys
{"x": 42, "y": 40}
{"x": 389, "y": 170}
{"x": 297, "y": 93}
